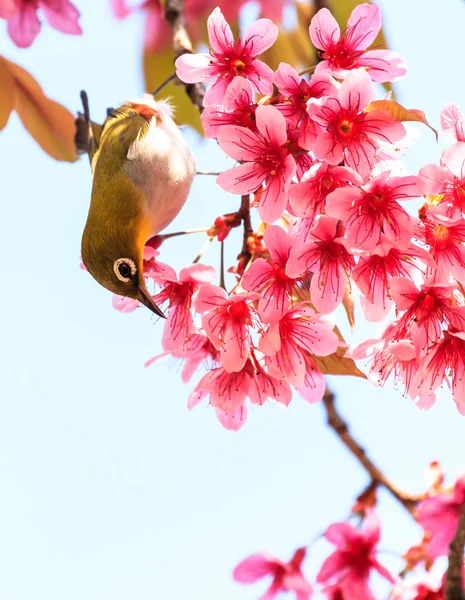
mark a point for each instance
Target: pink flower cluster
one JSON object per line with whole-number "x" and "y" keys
{"x": 318, "y": 156}
{"x": 344, "y": 575}
{"x": 24, "y": 24}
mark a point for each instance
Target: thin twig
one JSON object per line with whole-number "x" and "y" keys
{"x": 336, "y": 422}
{"x": 454, "y": 580}
{"x": 174, "y": 16}
{"x": 164, "y": 84}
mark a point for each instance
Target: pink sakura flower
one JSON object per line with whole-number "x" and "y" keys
{"x": 373, "y": 273}
{"x": 228, "y": 392}
{"x": 399, "y": 359}
{"x": 350, "y": 566}
{"x": 308, "y": 197}
{"x": 453, "y": 123}
{"x": 269, "y": 276}
{"x": 287, "y": 577}
{"x": 290, "y": 344}
{"x": 179, "y": 325}
{"x": 374, "y": 209}
{"x": 267, "y": 161}
{"x": 194, "y": 352}
{"x": 237, "y": 109}
{"x": 23, "y": 22}
{"x": 446, "y": 182}
{"x": 229, "y": 59}
{"x": 294, "y": 94}
{"x": 327, "y": 258}
{"x": 348, "y": 132}
{"x": 446, "y": 361}
{"x": 445, "y": 237}
{"x": 227, "y": 323}
{"x": 425, "y": 311}
{"x": 342, "y": 53}
{"x": 439, "y": 515}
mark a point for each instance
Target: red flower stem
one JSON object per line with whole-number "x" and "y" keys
{"x": 454, "y": 580}
{"x": 166, "y": 236}
{"x": 203, "y": 249}
{"x": 174, "y": 16}
{"x": 222, "y": 285}
{"x": 244, "y": 213}
{"x": 337, "y": 423}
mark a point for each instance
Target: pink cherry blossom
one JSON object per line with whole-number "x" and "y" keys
{"x": 24, "y": 24}
{"x": 446, "y": 182}
{"x": 266, "y": 159}
{"x": 446, "y": 362}
{"x": 228, "y": 391}
{"x": 269, "y": 276}
{"x": 425, "y": 312}
{"x": 179, "y": 324}
{"x": 328, "y": 259}
{"x": 453, "y": 123}
{"x": 374, "y": 209}
{"x": 342, "y": 53}
{"x": 287, "y": 577}
{"x": 294, "y": 94}
{"x": 227, "y": 323}
{"x": 445, "y": 238}
{"x": 439, "y": 515}
{"x": 348, "y": 132}
{"x": 308, "y": 197}
{"x": 286, "y": 343}
{"x": 238, "y": 108}
{"x": 350, "y": 566}
{"x": 374, "y": 272}
{"x": 229, "y": 59}
{"x": 197, "y": 350}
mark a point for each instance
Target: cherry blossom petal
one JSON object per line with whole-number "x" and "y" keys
{"x": 64, "y": 17}
{"x": 356, "y": 91}
{"x": 241, "y": 143}
{"x": 219, "y": 32}
{"x": 24, "y": 27}
{"x": 365, "y": 23}
{"x": 260, "y": 36}
{"x": 235, "y": 420}
{"x": 261, "y": 77}
{"x": 244, "y": 179}
{"x": 271, "y": 124}
{"x": 194, "y": 68}
{"x": 324, "y": 29}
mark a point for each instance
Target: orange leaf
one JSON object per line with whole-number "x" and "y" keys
{"x": 7, "y": 93}
{"x": 399, "y": 113}
{"x": 49, "y": 123}
{"x": 337, "y": 363}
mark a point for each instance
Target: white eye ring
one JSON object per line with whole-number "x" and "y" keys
{"x": 129, "y": 264}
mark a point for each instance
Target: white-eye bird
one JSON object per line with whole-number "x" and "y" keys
{"x": 142, "y": 173}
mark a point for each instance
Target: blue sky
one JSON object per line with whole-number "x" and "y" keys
{"x": 110, "y": 488}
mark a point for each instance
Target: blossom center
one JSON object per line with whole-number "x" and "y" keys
{"x": 237, "y": 65}
{"x": 345, "y": 127}
{"x": 238, "y": 309}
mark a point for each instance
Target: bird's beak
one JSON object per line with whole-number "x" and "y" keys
{"x": 146, "y": 299}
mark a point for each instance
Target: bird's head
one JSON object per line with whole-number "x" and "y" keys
{"x": 115, "y": 259}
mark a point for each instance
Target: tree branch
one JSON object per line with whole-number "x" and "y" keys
{"x": 174, "y": 16}
{"x": 336, "y": 422}
{"x": 454, "y": 582}
{"x": 244, "y": 213}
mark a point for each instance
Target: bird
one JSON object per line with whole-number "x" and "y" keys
{"x": 142, "y": 172}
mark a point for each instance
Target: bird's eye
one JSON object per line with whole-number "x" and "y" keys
{"x": 125, "y": 269}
